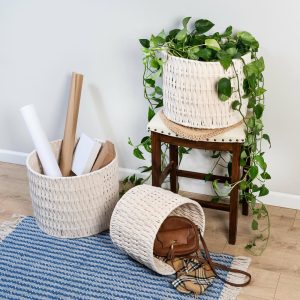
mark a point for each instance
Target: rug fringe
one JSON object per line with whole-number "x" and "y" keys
{"x": 9, "y": 226}
{"x": 230, "y": 292}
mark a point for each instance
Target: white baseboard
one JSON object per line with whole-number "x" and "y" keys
{"x": 197, "y": 186}
{"x": 192, "y": 185}
{"x": 13, "y": 157}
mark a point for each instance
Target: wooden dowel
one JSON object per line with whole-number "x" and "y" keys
{"x": 69, "y": 139}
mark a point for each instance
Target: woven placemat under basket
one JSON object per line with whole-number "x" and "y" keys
{"x": 75, "y": 206}
{"x": 138, "y": 217}
{"x": 194, "y": 134}
{"x": 190, "y": 92}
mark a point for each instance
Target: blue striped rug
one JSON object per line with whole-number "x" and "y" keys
{"x": 34, "y": 265}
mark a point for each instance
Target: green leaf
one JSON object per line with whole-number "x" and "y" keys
{"x": 254, "y": 68}
{"x": 147, "y": 147}
{"x": 130, "y": 142}
{"x": 225, "y": 59}
{"x": 242, "y": 162}
{"x": 207, "y": 177}
{"x": 145, "y": 169}
{"x": 185, "y": 21}
{"x": 258, "y": 110}
{"x": 193, "y": 53}
{"x": 154, "y": 64}
{"x": 267, "y": 138}
{"x": 216, "y": 154}
{"x": 265, "y": 175}
{"x": 243, "y": 185}
{"x": 227, "y": 32}
{"x": 180, "y": 36}
{"x": 254, "y": 225}
{"x": 231, "y": 51}
{"x": 138, "y": 153}
{"x": 263, "y": 191}
{"x": 150, "y": 82}
{"x": 235, "y": 104}
{"x": 253, "y": 172}
{"x": 205, "y": 54}
{"x": 260, "y": 161}
{"x": 212, "y": 44}
{"x": 251, "y": 102}
{"x": 158, "y": 90}
{"x": 248, "y": 246}
{"x": 132, "y": 178}
{"x": 215, "y": 199}
{"x": 139, "y": 181}
{"x": 215, "y": 185}
{"x": 260, "y": 91}
{"x": 246, "y": 36}
{"x": 224, "y": 89}
{"x": 255, "y": 188}
{"x": 151, "y": 113}
{"x": 145, "y": 43}
{"x": 203, "y": 25}
{"x": 145, "y": 139}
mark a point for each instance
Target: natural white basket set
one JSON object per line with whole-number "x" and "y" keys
{"x": 138, "y": 216}
{"x": 190, "y": 92}
{"x": 75, "y": 206}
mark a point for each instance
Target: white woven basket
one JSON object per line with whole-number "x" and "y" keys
{"x": 190, "y": 92}
{"x": 76, "y": 206}
{"x": 138, "y": 217}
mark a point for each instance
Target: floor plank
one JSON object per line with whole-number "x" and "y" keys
{"x": 288, "y": 288}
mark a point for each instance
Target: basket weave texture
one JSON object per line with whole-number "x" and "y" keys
{"x": 70, "y": 207}
{"x": 190, "y": 92}
{"x": 138, "y": 217}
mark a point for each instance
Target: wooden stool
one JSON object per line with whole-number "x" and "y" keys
{"x": 230, "y": 141}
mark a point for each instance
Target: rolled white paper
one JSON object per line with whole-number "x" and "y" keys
{"x": 85, "y": 154}
{"x": 40, "y": 141}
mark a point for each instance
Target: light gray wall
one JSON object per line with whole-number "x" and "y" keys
{"x": 41, "y": 42}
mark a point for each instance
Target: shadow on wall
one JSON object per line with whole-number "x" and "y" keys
{"x": 102, "y": 113}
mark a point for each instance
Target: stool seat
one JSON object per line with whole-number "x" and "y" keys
{"x": 234, "y": 135}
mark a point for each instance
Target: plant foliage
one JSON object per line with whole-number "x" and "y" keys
{"x": 197, "y": 43}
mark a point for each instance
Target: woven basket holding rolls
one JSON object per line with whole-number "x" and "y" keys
{"x": 138, "y": 217}
{"x": 190, "y": 92}
{"x": 76, "y": 206}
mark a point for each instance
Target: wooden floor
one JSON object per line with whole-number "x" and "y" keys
{"x": 276, "y": 274}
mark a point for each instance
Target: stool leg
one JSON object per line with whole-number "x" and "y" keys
{"x": 234, "y": 195}
{"x": 156, "y": 158}
{"x": 173, "y": 176}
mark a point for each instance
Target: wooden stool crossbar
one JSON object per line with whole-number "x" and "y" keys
{"x": 172, "y": 169}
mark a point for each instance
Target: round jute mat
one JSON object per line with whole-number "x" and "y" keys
{"x": 194, "y": 134}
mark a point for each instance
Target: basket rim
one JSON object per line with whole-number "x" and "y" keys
{"x": 204, "y": 62}
{"x": 29, "y": 168}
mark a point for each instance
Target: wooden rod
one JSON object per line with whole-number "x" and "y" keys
{"x": 201, "y": 176}
{"x": 166, "y": 172}
{"x": 68, "y": 144}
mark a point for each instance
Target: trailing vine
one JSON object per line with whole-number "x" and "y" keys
{"x": 197, "y": 44}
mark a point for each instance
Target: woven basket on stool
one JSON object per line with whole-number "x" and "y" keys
{"x": 138, "y": 217}
{"x": 76, "y": 206}
{"x": 190, "y": 92}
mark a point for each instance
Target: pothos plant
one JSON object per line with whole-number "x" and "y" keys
{"x": 198, "y": 44}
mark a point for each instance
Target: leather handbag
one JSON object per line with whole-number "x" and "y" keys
{"x": 178, "y": 237}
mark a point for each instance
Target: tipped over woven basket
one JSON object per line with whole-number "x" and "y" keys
{"x": 138, "y": 217}
{"x": 190, "y": 92}
{"x": 76, "y": 206}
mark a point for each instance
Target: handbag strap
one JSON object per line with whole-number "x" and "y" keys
{"x": 215, "y": 265}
